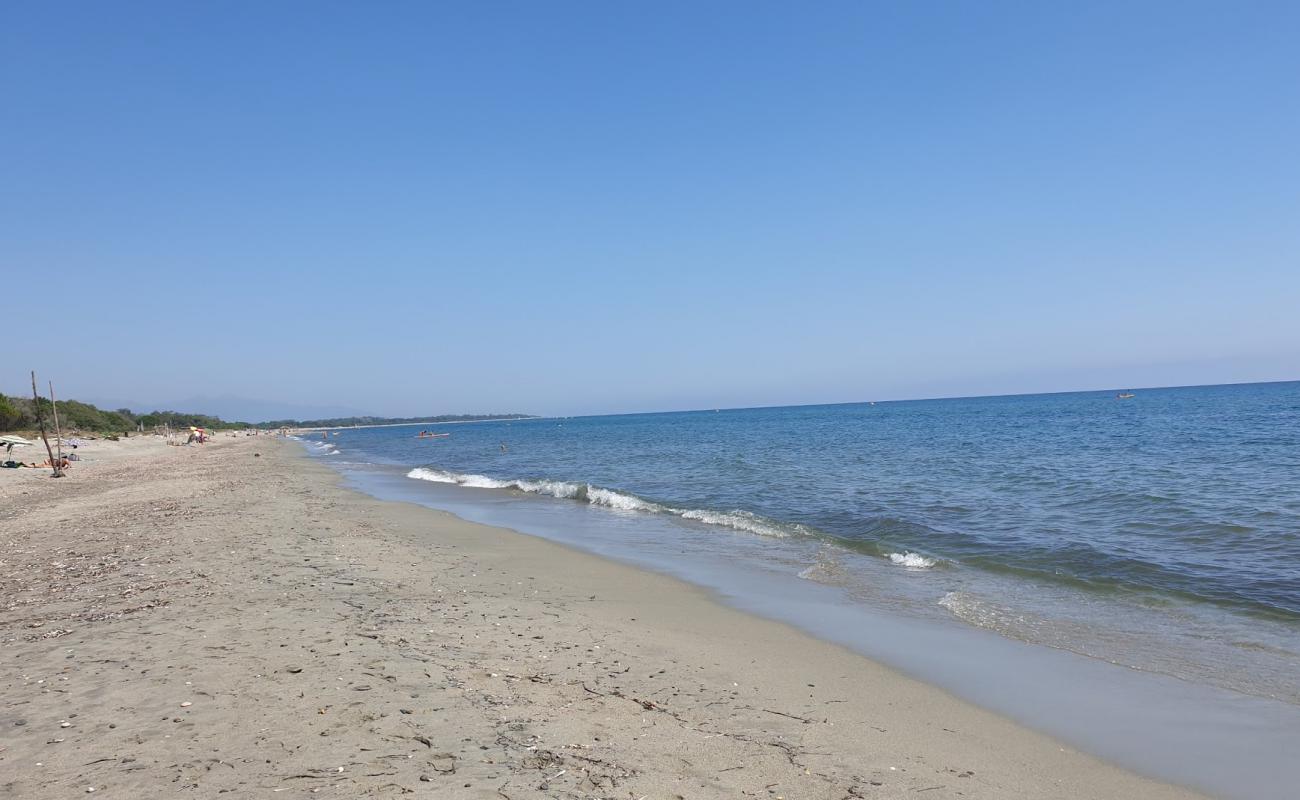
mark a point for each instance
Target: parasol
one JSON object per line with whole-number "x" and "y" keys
{"x": 10, "y": 442}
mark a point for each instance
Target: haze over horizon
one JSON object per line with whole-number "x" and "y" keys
{"x": 588, "y": 208}
{"x": 244, "y": 409}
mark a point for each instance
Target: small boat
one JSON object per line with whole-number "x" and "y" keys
{"x": 1124, "y": 395}
{"x": 427, "y": 435}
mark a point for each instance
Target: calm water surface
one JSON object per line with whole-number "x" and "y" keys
{"x": 1160, "y": 533}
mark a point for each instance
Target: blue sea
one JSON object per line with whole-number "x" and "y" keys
{"x": 1158, "y": 533}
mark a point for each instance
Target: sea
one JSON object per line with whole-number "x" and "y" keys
{"x": 1122, "y": 573}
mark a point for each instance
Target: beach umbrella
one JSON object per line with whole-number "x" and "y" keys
{"x": 10, "y": 442}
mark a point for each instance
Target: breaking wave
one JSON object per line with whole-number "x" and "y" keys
{"x": 738, "y": 520}
{"x": 561, "y": 489}
{"x": 324, "y": 448}
{"x": 911, "y": 560}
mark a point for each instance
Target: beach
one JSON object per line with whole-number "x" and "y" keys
{"x": 651, "y": 402}
{"x": 227, "y": 617}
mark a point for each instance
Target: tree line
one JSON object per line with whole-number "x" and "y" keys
{"x": 19, "y": 414}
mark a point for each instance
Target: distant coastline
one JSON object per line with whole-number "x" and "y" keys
{"x": 19, "y": 414}
{"x": 444, "y": 420}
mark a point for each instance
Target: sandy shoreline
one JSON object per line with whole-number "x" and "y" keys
{"x": 209, "y": 620}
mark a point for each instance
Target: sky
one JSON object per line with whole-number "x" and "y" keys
{"x": 595, "y": 207}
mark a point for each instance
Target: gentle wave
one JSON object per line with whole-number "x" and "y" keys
{"x": 607, "y": 498}
{"x": 563, "y": 490}
{"x": 737, "y": 520}
{"x": 984, "y": 614}
{"x": 744, "y": 521}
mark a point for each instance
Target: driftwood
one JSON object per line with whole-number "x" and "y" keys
{"x": 58, "y": 430}
{"x": 40, "y": 421}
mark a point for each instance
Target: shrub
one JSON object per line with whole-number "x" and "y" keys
{"x": 11, "y": 416}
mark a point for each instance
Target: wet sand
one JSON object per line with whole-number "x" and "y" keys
{"x": 227, "y": 618}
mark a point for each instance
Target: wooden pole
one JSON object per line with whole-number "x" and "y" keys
{"x": 58, "y": 430}
{"x": 40, "y": 421}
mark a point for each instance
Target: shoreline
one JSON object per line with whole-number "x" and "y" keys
{"x": 324, "y": 640}
{"x": 1155, "y": 724}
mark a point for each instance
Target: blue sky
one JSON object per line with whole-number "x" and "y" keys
{"x": 597, "y": 207}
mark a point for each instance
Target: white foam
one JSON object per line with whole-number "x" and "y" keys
{"x": 744, "y": 521}
{"x": 561, "y": 489}
{"x": 481, "y": 482}
{"x": 736, "y": 520}
{"x": 619, "y": 501}
{"x": 911, "y": 560}
{"x": 472, "y": 481}
{"x": 435, "y": 475}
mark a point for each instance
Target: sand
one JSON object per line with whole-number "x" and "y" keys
{"x": 228, "y": 618}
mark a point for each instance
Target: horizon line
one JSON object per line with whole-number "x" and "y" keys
{"x": 910, "y": 399}
{"x": 526, "y": 416}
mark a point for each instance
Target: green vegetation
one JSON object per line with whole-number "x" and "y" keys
{"x": 177, "y": 419}
{"x": 19, "y": 414}
{"x": 11, "y": 416}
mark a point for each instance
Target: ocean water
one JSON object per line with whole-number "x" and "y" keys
{"x": 1159, "y": 533}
